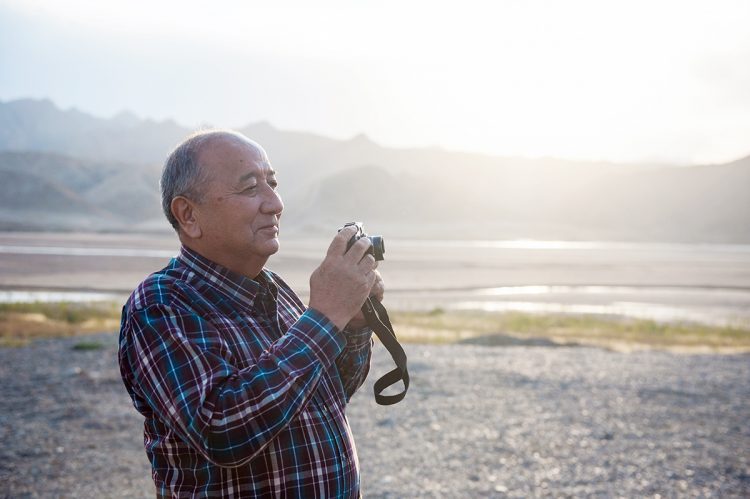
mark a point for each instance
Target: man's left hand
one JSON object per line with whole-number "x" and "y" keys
{"x": 376, "y": 292}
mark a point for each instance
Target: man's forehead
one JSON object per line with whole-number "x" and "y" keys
{"x": 232, "y": 155}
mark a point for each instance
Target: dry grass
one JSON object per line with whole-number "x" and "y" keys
{"x": 21, "y": 323}
{"x": 618, "y": 333}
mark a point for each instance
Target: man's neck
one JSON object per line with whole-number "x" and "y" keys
{"x": 246, "y": 266}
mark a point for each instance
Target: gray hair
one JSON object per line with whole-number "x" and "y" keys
{"x": 182, "y": 174}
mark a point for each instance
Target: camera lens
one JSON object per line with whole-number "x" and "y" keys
{"x": 378, "y": 247}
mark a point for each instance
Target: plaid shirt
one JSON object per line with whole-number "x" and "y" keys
{"x": 243, "y": 390}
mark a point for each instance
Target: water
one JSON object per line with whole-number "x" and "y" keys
{"x": 712, "y": 306}
{"x": 533, "y": 244}
{"x": 71, "y": 251}
{"x": 58, "y": 296}
{"x": 419, "y": 244}
{"x": 706, "y": 283}
{"x": 719, "y": 316}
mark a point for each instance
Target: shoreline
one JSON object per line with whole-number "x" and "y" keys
{"x": 661, "y": 303}
{"x": 23, "y": 323}
{"x": 621, "y": 297}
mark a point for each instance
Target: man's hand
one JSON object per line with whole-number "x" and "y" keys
{"x": 342, "y": 282}
{"x": 376, "y": 293}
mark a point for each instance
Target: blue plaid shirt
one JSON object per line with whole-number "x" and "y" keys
{"x": 242, "y": 389}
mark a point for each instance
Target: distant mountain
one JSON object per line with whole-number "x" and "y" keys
{"x": 690, "y": 204}
{"x": 41, "y": 191}
{"x": 70, "y": 170}
{"x": 38, "y": 125}
{"x": 30, "y": 202}
{"x": 700, "y": 203}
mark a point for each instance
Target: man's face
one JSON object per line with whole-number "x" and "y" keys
{"x": 240, "y": 211}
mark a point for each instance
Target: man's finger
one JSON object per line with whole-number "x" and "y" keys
{"x": 368, "y": 262}
{"x": 378, "y": 289}
{"x": 338, "y": 245}
{"x": 358, "y": 250}
{"x": 371, "y": 278}
{"x": 369, "y": 254}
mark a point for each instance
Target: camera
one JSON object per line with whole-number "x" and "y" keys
{"x": 377, "y": 246}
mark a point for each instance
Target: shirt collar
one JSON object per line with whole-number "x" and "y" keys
{"x": 236, "y": 286}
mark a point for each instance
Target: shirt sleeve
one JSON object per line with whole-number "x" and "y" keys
{"x": 354, "y": 362}
{"x": 181, "y": 367}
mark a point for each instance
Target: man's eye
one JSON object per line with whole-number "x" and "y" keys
{"x": 274, "y": 184}
{"x": 250, "y": 189}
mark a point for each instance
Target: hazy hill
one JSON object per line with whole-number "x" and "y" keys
{"x": 68, "y": 169}
{"x": 38, "y": 125}
{"x": 694, "y": 204}
{"x": 30, "y": 202}
{"x": 41, "y": 191}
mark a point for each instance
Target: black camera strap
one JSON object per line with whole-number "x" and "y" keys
{"x": 377, "y": 319}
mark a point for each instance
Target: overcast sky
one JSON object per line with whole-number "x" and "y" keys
{"x": 625, "y": 81}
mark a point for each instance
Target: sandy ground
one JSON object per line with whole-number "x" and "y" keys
{"x": 479, "y": 421}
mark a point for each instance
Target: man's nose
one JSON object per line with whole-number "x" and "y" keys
{"x": 273, "y": 203}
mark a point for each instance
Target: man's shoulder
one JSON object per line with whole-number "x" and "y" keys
{"x": 170, "y": 286}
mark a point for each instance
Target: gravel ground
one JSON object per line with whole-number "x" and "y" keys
{"x": 478, "y": 422}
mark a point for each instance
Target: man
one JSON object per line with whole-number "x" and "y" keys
{"x": 242, "y": 387}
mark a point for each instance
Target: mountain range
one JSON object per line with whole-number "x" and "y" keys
{"x": 69, "y": 170}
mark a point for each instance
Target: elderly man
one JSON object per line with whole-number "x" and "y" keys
{"x": 243, "y": 388}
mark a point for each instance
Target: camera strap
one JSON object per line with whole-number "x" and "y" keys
{"x": 377, "y": 319}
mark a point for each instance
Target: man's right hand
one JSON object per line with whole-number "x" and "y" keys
{"x": 340, "y": 285}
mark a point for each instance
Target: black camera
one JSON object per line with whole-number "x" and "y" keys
{"x": 377, "y": 246}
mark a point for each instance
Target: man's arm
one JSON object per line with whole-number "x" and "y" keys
{"x": 181, "y": 367}
{"x": 354, "y": 362}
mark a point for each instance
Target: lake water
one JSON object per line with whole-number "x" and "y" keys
{"x": 57, "y": 296}
{"x": 665, "y": 282}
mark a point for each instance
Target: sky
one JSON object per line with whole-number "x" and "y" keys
{"x": 627, "y": 81}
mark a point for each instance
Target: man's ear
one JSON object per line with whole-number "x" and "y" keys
{"x": 185, "y": 211}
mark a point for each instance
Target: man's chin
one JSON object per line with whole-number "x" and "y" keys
{"x": 272, "y": 246}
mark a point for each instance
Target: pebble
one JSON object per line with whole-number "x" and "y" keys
{"x": 478, "y": 421}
